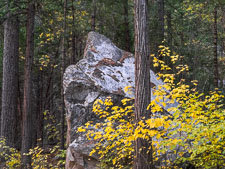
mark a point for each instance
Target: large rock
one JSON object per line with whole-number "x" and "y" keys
{"x": 104, "y": 71}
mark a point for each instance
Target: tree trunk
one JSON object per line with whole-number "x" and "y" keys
{"x": 161, "y": 20}
{"x": 216, "y": 74}
{"x": 169, "y": 28}
{"x": 143, "y": 158}
{"x": 126, "y": 26}
{"x": 10, "y": 80}
{"x": 39, "y": 110}
{"x": 93, "y": 16}
{"x": 34, "y": 94}
{"x": 62, "y": 72}
{"x": 27, "y": 102}
{"x": 19, "y": 122}
{"x": 81, "y": 48}
{"x": 73, "y": 56}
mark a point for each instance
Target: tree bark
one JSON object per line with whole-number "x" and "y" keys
{"x": 93, "y": 16}
{"x": 39, "y": 110}
{"x": 62, "y": 72}
{"x": 126, "y": 26}
{"x": 80, "y": 48}
{"x": 34, "y": 94}
{"x": 143, "y": 158}
{"x": 19, "y": 121}
{"x": 10, "y": 80}
{"x": 73, "y": 56}
{"x": 161, "y": 14}
{"x": 216, "y": 73}
{"x": 169, "y": 28}
{"x": 27, "y": 103}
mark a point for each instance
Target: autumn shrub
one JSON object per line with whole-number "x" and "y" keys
{"x": 51, "y": 127}
{"x": 51, "y": 157}
{"x": 47, "y": 158}
{"x": 9, "y": 156}
{"x": 185, "y": 127}
{"x": 42, "y": 158}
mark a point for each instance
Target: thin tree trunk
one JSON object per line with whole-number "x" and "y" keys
{"x": 93, "y": 16}
{"x": 143, "y": 156}
{"x": 62, "y": 72}
{"x": 39, "y": 110}
{"x": 169, "y": 28}
{"x": 216, "y": 74}
{"x": 161, "y": 20}
{"x": 73, "y": 56}
{"x": 126, "y": 26}
{"x": 10, "y": 80}
{"x": 34, "y": 94}
{"x": 27, "y": 103}
{"x": 81, "y": 48}
{"x": 19, "y": 122}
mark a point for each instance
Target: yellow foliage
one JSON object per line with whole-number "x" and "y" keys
{"x": 195, "y": 119}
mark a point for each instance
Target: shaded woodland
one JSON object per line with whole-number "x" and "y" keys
{"x": 40, "y": 39}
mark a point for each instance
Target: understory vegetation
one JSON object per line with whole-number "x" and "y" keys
{"x": 185, "y": 127}
{"x": 39, "y": 39}
{"x": 42, "y": 158}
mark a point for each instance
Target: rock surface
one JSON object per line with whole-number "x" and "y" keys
{"x": 104, "y": 71}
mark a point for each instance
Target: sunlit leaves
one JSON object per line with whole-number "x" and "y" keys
{"x": 11, "y": 156}
{"x": 183, "y": 121}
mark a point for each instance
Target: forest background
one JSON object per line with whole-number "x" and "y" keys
{"x": 44, "y": 37}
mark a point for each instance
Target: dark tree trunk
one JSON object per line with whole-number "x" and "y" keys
{"x": 126, "y": 26}
{"x": 93, "y": 16}
{"x": 19, "y": 122}
{"x": 39, "y": 110}
{"x": 81, "y": 48}
{"x": 34, "y": 94}
{"x": 216, "y": 74}
{"x": 10, "y": 80}
{"x": 169, "y": 28}
{"x": 143, "y": 158}
{"x": 27, "y": 102}
{"x": 161, "y": 20}
{"x": 73, "y": 56}
{"x": 62, "y": 72}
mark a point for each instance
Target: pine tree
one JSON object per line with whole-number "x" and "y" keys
{"x": 10, "y": 78}
{"x": 27, "y": 102}
{"x": 143, "y": 157}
